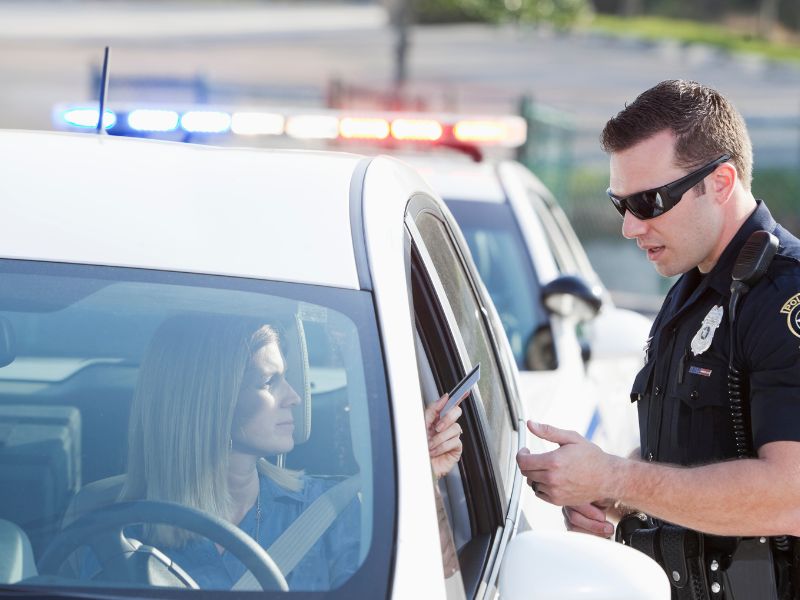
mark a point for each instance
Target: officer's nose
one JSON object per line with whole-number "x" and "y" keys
{"x": 633, "y": 227}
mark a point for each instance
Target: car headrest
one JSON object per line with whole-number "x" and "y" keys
{"x": 293, "y": 344}
{"x": 93, "y": 496}
{"x": 8, "y": 342}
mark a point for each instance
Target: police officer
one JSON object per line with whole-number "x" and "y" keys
{"x": 680, "y": 173}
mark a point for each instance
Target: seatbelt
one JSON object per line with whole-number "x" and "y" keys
{"x": 295, "y": 542}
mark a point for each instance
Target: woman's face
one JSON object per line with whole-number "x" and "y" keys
{"x": 263, "y": 421}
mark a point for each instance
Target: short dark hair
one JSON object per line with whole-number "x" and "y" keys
{"x": 705, "y": 124}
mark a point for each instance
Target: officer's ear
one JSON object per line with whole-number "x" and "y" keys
{"x": 723, "y": 182}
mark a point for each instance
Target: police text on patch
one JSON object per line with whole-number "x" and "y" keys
{"x": 792, "y": 311}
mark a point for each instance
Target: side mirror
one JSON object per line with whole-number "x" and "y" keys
{"x": 619, "y": 333}
{"x": 563, "y": 565}
{"x": 540, "y": 352}
{"x": 571, "y": 296}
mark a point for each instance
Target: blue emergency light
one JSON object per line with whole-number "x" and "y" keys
{"x": 86, "y": 118}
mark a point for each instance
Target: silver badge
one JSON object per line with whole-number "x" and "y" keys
{"x": 702, "y": 339}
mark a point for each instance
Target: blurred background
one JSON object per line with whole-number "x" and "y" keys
{"x": 566, "y": 66}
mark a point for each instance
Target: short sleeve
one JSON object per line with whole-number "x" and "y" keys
{"x": 769, "y": 340}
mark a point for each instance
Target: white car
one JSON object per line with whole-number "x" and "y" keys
{"x": 577, "y": 352}
{"x": 121, "y": 258}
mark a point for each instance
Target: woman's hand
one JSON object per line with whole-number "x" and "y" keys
{"x": 444, "y": 437}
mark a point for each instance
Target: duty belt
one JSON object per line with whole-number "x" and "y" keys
{"x": 708, "y": 567}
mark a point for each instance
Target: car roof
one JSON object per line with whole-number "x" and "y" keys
{"x": 99, "y": 199}
{"x": 456, "y": 177}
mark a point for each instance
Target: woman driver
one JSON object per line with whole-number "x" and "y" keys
{"x": 212, "y": 399}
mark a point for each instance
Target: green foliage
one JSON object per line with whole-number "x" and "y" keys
{"x": 559, "y": 13}
{"x": 787, "y": 12}
{"x": 448, "y": 11}
{"x": 694, "y": 32}
{"x": 780, "y": 189}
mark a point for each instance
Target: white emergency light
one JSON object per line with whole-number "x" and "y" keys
{"x": 257, "y": 123}
{"x": 205, "y": 121}
{"x": 144, "y": 119}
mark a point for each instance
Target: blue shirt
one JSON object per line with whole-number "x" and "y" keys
{"x": 328, "y": 564}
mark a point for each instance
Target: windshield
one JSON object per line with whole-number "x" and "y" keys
{"x": 249, "y": 402}
{"x": 498, "y": 250}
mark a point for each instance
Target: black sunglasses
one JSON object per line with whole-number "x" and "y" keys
{"x": 652, "y": 203}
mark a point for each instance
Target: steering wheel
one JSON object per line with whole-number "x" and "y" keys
{"x": 126, "y": 559}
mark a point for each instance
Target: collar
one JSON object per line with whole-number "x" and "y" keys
{"x": 692, "y": 283}
{"x": 719, "y": 278}
{"x": 271, "y": 491}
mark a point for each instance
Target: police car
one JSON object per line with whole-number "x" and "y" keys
{"x": 362, "y": 271}
{"x": 577, "y": 352}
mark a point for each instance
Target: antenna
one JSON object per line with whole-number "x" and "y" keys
{"x": 103, "y": 92}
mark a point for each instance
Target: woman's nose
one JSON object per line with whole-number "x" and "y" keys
{"x": 289, "y": 396}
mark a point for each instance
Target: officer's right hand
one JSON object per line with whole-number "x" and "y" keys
{"x": 588, "y": 518}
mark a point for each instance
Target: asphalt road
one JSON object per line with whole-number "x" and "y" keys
{"x": 260, "y": 52}
{"x": 251, "y": 52}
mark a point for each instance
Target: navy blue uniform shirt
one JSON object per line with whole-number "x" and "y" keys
{"x": 682, "y": 391}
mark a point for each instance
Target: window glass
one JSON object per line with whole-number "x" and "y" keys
{"x": 451, "y": 503}
{"x": 499, "y": 254}
{"x": 243, "y": 399}
{"x": 472, "y": 328}
{"x": 561, "y": 238}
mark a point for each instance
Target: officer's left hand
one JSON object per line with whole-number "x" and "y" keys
{"x": 577, "y": 473}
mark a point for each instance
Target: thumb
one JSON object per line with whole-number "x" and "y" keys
{"x": 554, "y": 434}
{"x": 439, "y": 404}
{"x": 432, "y": 410}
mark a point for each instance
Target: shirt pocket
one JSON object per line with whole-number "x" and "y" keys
{"x": 640, "y": 393}
{"x": 701, "y": 427}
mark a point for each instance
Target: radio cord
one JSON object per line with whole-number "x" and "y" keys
{"x": 735, "y": 396}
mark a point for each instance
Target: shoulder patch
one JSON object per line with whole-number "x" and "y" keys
{"x": 792, "y": 311}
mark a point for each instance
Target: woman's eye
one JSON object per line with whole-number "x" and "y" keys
{"x": 267, "y": 382}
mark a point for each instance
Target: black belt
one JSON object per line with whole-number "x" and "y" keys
{"x": 707, "y": 567}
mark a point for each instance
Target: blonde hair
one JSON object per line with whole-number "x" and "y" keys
{"x": 182, "y": 413}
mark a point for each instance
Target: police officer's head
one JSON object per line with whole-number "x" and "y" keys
{"x": 681, "y": 164}
{"x": 705, "y": 124}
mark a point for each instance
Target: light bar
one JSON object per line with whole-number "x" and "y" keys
{"x": 309, "y": 127}
{"x": 364, "y": 128}
{"x": 153, "y": 120}
{"x": 447, "y": 129}
{"x": 257, "y": 123}
{"x": 509, "y": 131}
{"x": 425, "y": 130}
{"x": 87, "y": 117}
{"x": 205, "y": 121}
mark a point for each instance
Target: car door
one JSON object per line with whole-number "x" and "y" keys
{"x": 457, "y": 327}
{"x": 613, "y": 340}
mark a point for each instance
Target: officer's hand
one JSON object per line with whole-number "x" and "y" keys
{"x": 577, "y": 473}
{"x": 587, "y": 518}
